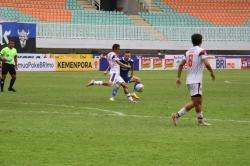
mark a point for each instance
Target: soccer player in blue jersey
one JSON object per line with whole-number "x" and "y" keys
{"x": 124, "y": 73}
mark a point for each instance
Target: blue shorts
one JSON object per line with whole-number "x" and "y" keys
{"x": 127, "y": 79}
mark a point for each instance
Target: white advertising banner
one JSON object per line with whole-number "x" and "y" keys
{"x": 146, "y": 64}
{"x": 43, "y": 64}
{"x": 171, "y": 62}
{"x": 32, "y": 56}
{"x": 212, "y": 62}
{"x": 234, "y": 63}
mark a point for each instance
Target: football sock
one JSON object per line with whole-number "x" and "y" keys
{"x": 129, "y": 97}
{"x": 115, "y": 90}
{"x": 2, "y": 85}
{"x": 136, "y": 83}
{"x": 181, "y": 112}
{"x": 200, "y": 116}
{"x": 12, "y": 81}
{"x": 98, "y": 82}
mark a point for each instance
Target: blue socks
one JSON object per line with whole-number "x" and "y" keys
{"x": 115, "y": 90}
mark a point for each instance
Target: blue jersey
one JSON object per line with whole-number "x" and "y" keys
{"x": 124, "y": 71}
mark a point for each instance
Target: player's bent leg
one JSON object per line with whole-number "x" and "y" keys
{"x": 137, "y": 81}
{"x": 12, "y": 81}
{"x": 2, "y": 81}
{"x": 198, "y": 107}
{"x": 126, "y": 92}
{"x": 104, "y": 83}
{"x": 181, "y": 112}
{"x": 107, "y": 83}
{"x": 114, "y": 92}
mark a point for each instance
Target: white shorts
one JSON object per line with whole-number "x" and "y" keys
{"x": 116, "y": 78}
{"x": 195, "y": 89}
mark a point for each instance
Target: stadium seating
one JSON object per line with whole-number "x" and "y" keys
{"x": 55, "y": 18}
{"x": 12, "y": 15}
{"x": 58, "y": 11}
{"x": 215, "y": 12}
{"x": 100, "y": 18}
{"x": 182, "y": 16}
{"x": 41, "y": 9}
{"x": 173, "y": 19}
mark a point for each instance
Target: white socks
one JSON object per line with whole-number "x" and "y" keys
{"x": 200, "y": 116}
{"x": 98, "y": 82}
{"x": 129, "y": 97}
{"x": 181, "y": 112}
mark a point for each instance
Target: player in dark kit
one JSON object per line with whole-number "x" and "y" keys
{"x": 124, "y": 73}
{"x": 9, "y": 64}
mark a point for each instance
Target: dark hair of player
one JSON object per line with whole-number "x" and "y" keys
{"x": 196, "y": 39}
{"x": 115, "y": 46}
{"x": 127, "y": 52}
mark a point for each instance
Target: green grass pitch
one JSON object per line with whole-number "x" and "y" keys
{"x": 54, "y": 120}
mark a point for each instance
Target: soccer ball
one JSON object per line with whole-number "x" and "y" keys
{"x": 139, "y": 87}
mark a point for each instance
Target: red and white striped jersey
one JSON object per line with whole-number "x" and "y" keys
{"x": 195, "y": 65}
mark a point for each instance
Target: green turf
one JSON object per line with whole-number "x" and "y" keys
{"x": 55, "y": 120}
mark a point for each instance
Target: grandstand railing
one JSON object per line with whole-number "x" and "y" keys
{"x": 127, "y": 32}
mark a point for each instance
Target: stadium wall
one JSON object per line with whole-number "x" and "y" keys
{"x": 138, "y": 44}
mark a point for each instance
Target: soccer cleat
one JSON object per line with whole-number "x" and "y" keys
{"x": 12, "y": 90}
{"x": 134, "y": 95}
{"x": 203, "y": 124}
{"x": 132, "y": 101}
{"x": 90, "y": 83}
{"x": 112, "y": 99}
{"x": 174, "y": 118}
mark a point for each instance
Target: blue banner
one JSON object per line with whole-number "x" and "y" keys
{"x": 23, "y": 34}
{"x": 104, "y": 63}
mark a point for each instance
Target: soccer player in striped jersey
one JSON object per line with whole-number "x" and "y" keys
{"x": 115, "y": 77}
{"x": 124, "y": 73}
{"x": 196, "y": 58}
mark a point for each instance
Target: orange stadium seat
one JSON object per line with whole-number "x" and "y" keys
{"x": 218, "y": 12}
{"x": 42, "y": 9}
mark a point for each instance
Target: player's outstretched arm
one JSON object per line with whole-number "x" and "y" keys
{"x": 209, "y": 68}
{"x": 122, "y": 64}
{"x": 180, "y": 68}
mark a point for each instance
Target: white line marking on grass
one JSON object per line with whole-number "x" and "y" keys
{"x": 235, "y": 82}
{"x": 70, "y": 106}
{"x": 111, "y": 113}
{"x": 227, "y": 82}
{"x": 104, "y": 110}
{"x": 230, "y": 120}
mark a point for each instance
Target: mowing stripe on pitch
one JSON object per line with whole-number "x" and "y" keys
{"x": 112, "y": 113}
